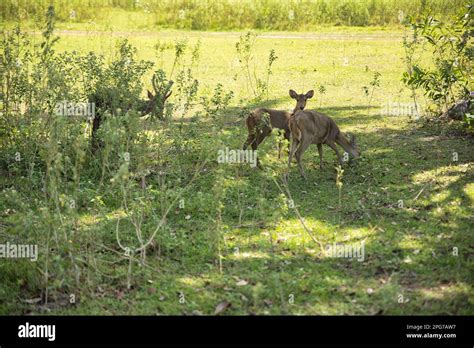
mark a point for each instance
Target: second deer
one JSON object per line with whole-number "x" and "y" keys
{"x": 260, "y": 126}
{"x": 312, "y": 127}
{"x": 106, "y": 99}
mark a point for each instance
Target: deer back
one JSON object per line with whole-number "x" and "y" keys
{"x": 313, "y": 126}
{"x": 276, "y": 118}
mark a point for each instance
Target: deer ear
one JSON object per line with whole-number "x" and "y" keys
{"x": 309, "y": 94}
{"x": 293, "y": 94}
{"x": 150, "y": 95}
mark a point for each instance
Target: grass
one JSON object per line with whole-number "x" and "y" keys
{"x": 267, "y": 257}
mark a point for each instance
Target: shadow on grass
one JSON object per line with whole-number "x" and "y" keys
{"x": 408, "y": 247}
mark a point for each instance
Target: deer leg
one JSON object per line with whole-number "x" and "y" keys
{"x": 96, "y": 143}
{"x": 250, "y": 140}
{"x": 254, "y": 149}
{"x": 298, "y": 154}
{"x": 320, "y": 151}
{"x": 286, "y": 135}
{"x": 261, "y": 135}
{"x": 333, "y": 146}
{"x": 279, "y": 145}
{"x": 293, "y": 147}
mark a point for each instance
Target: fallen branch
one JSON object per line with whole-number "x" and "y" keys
{"x": 306, "y": 228}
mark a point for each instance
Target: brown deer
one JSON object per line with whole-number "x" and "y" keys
{"x": 260, "y": 126}
{"x": 312, "y": 127}
{"x": 105, "y": 99}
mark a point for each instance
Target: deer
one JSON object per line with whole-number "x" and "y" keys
{"x": 260, "y": 127}
{"x": 105, "y": 99}
{"x": 312, "y": 127}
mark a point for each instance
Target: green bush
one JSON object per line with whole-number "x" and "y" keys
{"x": 446, "y": 78}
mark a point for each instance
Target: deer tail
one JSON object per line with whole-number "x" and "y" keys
{"x": 294, "y": 129}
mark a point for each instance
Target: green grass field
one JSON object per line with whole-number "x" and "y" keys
{"x": 418, "y": 253}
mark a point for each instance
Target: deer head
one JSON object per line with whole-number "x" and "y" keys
{"x": 301, "y": 99}
{"x": 156, "y": 102}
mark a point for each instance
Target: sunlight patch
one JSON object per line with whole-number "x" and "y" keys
{"x": 189, "y": 281}
{"x": 443, "y": 175}
{"x": 440, "y": 197}
{"x": 469, "y": 190}
{"x": 241, "y": 255}
{"x": 441, "y": 292}
{"x": 88, "y": 220}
